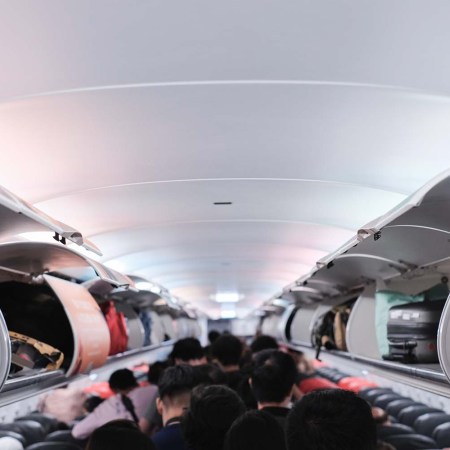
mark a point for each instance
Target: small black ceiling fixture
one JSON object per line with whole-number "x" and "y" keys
{"x": 223, "y": 203}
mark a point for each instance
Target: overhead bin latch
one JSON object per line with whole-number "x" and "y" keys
{"x": 58, "y": 238}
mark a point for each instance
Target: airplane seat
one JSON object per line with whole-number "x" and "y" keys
{"x": 384, "y": 400}
{"x": 315, "y": 383}
{"x": 370, "y": 394}
{"x": 396, "y": 429}
{"x": 427, "y": 423}
{"x": 49, "y": 423}
{"x": 397, "y": 406}
{"x": 31, "y": 430}
{"x": 409, "y": 415}
{"x": 441, "y": 435}
{"x": 355, "y": 384}
{"x": 54, "y": 446}
{"x": 64, "y": 436}
{"x": 331, "y": 374}
{"x": 411, "y": 442}
{"x": 13, "y": 434}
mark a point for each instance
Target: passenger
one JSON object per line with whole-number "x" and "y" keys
{"x": 380, "y": 416}
{"x": 212, "y": 411}
{"x": 129, "y": 402}
{"x": 156, "y": 370}
{"x": 272, "y": 384}
{"x": 227, "y": 352}
{"x": 175, "y": 388}
{"x": 66, "y": 404}
{"x": 188, "y": 351}
{"x": 331, "y": 419}
{"x": 263, "y": 342}
{"x": 91, "y": 403}
{"x": 185, "y": 351}
{"x": 119, "y": 435}
{"x": 255, "y": 430}
{"x": 207, "y": 374}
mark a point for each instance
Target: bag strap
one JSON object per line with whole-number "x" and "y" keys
{"x": 129, "y": 407}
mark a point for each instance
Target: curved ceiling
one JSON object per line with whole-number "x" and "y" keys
{"x": 130, "y": 119}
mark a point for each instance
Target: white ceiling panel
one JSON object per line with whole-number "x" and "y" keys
{"x": 130, "y": 119}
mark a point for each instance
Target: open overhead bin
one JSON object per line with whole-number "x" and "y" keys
{"x": 397, "y": 256}
{"x": 18, "y": 216}
{"x": 43, "y": 311}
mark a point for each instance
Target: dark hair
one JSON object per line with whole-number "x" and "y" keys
{"x": 227, "y": 349}
{"x": 263, "y": 342}
{"x": 92, "y": 402}
{"x": 187, "y": 349}
{"x": 122, "y": 379}
{"x": 176, "y": 380}
{"x": 331, "y": 419}
{"x": 213, "y": 335}
{"x": 273, "y": 381}
{"x": 255, "y": 430}
{"x": 155, "y": 370}
{"x": 117, "y": 435}
{"x": 209, "y": 374}
{"x": 212, "y": 411}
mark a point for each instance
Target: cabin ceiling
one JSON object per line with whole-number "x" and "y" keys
{"x": 128, "y": 120}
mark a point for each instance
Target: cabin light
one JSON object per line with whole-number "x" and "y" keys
{"x": 306, "y": 289}
{"x": 227, "y": 314}
{"x": 227, "y": 297}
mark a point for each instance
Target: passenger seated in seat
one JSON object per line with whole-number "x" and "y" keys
{"x": 263, "y": 342}
{"x": 331, "y": 419}
{"x": 272, "y": 384}
{"x": 212, "y": 411}
{"x": 175, "y": 388}
{"x": 255, "y": 430}
{"x": 119, "y": 435}
{"x": 380, "y": 416}
{"x": 129, "y": 402}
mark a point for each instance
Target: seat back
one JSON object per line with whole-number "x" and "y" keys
{"x": 63, "y": 436}
{"x": 396, "y": 429}
{"x": 13, "y": 434}
{"x": 48, "y": 422}
{"x": 441, "y": 435}
{"x": 411, "y": 442}
{"x": 54, "y": 446}
{"x": 394, "y": 408}
{"x": 383, "y": 400}
{"x": 371, "y": 394}
{"x": 427, "y": 423}
{"x": 30, "y": 430}
{"x": 409, "y": 415}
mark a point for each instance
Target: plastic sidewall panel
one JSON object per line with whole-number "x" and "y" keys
{"x": 5, "y": 351}
{"x": 443, "y": 339}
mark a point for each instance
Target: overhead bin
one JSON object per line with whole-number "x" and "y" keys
{"x": 60, "y": 314}
{"x": 405, "y": 251}
{"x": 18, "y": 216}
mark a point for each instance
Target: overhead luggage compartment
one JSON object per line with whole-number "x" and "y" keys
{"x": 401, "y": 254}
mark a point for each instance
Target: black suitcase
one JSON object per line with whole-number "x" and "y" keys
{"x": 412, "y": 332}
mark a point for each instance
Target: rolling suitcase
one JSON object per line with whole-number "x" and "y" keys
{"x": 412, "y": 332}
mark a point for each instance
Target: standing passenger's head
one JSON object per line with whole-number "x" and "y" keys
{"x": 212, "y": 411}
{"x": 117, "y": 435}
{"x": 175, "y": 387}
{"x": 188, "y": 351}
{"x": 255, "y": 430}
{"x": 331, "y": 420}
{"x": 227, "y": 351}
{"x": 122, "y": 381}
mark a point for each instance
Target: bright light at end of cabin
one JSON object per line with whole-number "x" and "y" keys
{"x": 227, "y": 297}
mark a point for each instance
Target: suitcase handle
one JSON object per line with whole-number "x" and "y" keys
{"x": 404, "y": 345}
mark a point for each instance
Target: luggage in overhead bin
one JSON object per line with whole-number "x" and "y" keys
{"x": 117, "y": 327}
{"x": 412, "y": 332}
{"x": 135, "y": 328}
